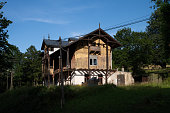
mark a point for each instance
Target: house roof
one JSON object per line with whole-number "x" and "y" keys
{"x": 53, "y": 43}
{"x": 103, "y": 36}
{"x": 72, "y": 39}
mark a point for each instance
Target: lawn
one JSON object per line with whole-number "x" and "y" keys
{"x": 141, "y": 98}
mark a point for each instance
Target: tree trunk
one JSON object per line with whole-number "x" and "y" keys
{"x": 34, "y": 82}
{"x": 11, "y": 86}
{"x": 7, "y": 82}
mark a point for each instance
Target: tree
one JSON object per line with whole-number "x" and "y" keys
{"x": 121, "y": 54}
{"x": 32, "y": 65}
{"x": 5, "y": 63}
{"x": 4, "y": 45}
{"x": 135, "y": 51}
{"x": 159, "y": 32}
{"x": 16, "y": 63}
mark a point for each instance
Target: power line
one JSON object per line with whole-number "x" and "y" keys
{"x": 135, "y": 22}
{"x": 116, "y": 26}
{"x": 146, "y": 16}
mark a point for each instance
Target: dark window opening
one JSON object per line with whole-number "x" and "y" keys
{"x": 91, "y": 60}
{"x": 95, "y": 61}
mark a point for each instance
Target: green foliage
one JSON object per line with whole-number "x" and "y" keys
{"x": 17, "y": 57}
{"x": 165, "y": 29}
{"x": 4, "y": 45}
{"x": 32, "y": 65}
{"x": 159, "y": 3}
{"x": 26, "y": 68}
{"x": 158, "y": 31}
{"x": 143, "y": 48}
{"x": 135, "y": 51}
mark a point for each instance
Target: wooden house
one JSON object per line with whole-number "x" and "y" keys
{"x": 86, "y": 59}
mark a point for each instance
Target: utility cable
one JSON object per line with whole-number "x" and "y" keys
{"x": 126, "y": 24}
{"x": 116, "y": 26}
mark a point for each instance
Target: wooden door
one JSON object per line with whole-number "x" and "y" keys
{"x": 121, "y": 79}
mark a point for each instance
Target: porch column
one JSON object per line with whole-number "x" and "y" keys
{"x": 106, "y": 60}
{"x": 59, "y": 78}
{"x": 68, "y": 64}
{"x": 48, "y": 68}
{"x": 88, "y": 57}
{"x": 53, "y": 73}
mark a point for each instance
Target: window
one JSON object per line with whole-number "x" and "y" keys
{"x": 93, "y": 61}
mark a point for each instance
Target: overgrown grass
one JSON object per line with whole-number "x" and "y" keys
{"x": 141, "y": 98}
{"x": 130, "y": 99}
{"x": 29, "y": 100}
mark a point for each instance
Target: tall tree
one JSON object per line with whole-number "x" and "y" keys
{"x": 32, "y": 65}
{"x": 121, "y": 54}
{"x": 135, "y": 52}
{"x": 5, "y": 63}
{"x": 16, "y": 63}
{"x": 4, "y": 45}
{"x": 159, "y": 32}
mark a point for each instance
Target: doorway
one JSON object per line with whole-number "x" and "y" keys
{"x": 121, "y": 79}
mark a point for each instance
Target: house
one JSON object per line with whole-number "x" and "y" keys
{"x": 84, "y": 60}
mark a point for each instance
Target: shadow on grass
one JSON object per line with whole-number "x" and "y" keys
{"x": 83, "y": 99}
{"x": 130, "y": 99}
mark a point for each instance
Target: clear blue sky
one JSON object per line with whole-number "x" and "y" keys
{"x": 35, "y": 19}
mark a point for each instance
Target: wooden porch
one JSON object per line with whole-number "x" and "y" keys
{"x": 70, "y": 73}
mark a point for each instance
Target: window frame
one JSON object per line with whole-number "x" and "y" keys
{"x": 93, "y": 60}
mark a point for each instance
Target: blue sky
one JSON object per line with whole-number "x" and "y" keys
{"x": 35, "y": 19}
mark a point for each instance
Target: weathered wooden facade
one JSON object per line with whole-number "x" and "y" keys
{"x": 89, "y": 57}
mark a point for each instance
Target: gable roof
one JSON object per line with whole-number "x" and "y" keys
{"x": 103, "y": 36}
{"x": 53, "y": 43}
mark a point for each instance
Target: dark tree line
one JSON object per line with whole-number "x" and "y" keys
{"x": 4, "y": 45}
{"x": 135, "y": 52}
{"x": 25, "y": 69}
{"x": 140, "y": 49}
{"x": 16, "y": 68}
{"x": 159, "y": 32}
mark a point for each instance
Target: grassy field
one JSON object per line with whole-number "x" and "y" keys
{"x": 140, "y": 98}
